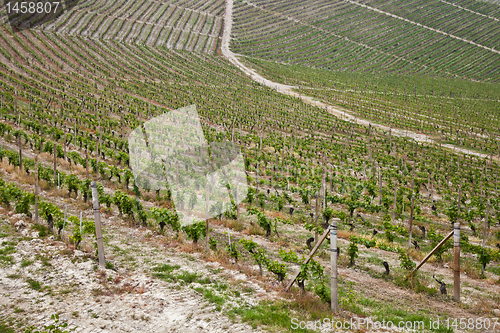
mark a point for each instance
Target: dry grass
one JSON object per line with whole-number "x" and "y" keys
{"x": 189, "y": 247}
{"x": 7, "y": 167}
{"x": 254, "y": 229}
{"x": 345, "y": 234}
{"x": 234, "y": 224}
{"x": 175, "y": 241}
{"x": 308, "y": 302}
{"x": 281, "y": 242}
{"x": 25, "y": 178}
{"x": 101, "y": 274}
{"x": 483, "y": 307}
{"x": 216, "y": 222}
{"x": 419, "y": 255}
{"x": 150, "y": 196}
{"x": 78, "y": 169}
{"x": 117, "y": 279}
{"x": 275, "y": 214}
{"x": 222, "y": 258}
{"x": 248, "y": 270}
{"x": 44, "y": 185}
{"x": 473, "y": 271}
{"x": 45, "y": 156}
{"x": 113, "y": 290}
{"x": 62, "y": 193}
{"x": 63, "y": 163}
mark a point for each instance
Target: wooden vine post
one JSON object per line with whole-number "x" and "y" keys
{"x": 455, "y": 232}
{"x": 55, "y": 161}
{"x": 412, "y": 204}
{"x": 97, "y": 217}
{"x": 208, "y": 217}
{"x": 485, "y": 229}
{"x": 86, "y": 161}
{"x": 20, "y": 154}
{"x": 313, "y": 251}
{"x": 272, "y": 175}
{"x": 36, "y": 189}
{"x": 395, "y": 202}
{"x": 456, "y": 262}
{"x": 380, "y": 184}
{"x": 411, "y": 219}
{"x": 316, "y": 212}
{"x": 236, "y": 201}
{"x": 257, "y": 185}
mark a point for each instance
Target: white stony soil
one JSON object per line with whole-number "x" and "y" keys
{"x": 129, "y": 299}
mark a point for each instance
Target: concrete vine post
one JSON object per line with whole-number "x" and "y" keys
{"x": 456, "y": 262}
{"x": 380, "y": 184}
{"x": 316, "y": 212}
{"x": 333, "y": 261}
{"x": 97, "y": 217}
{"x": 97, "y": 146}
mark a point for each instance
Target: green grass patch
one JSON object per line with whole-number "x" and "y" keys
{"x": 187, "y": 277}
{"x": 42, "y": 229}
{"x": 5, "y": 327}
{"x": 26, "y": 262}
{"x": 273, "y": 315}
{"x": 14, "y": 276}
{"x": 396, "y": 315}
{"x": 378, "y": 310}
{"x": 34, "y": 284}
{"x": 165, "y": 272}
{"x": 45, "y": 260}
{"x": 211, "y": 296}
{"x": 6, "y": 259}
{"x": 4, "y": 252}
{"x": 8, "y": 249}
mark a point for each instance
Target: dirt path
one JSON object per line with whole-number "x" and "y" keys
{"x": 340, "y": 113}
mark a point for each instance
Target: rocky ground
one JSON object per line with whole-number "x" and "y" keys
{"x": 45, "y": 276}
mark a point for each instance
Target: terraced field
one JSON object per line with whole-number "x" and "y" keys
{"x": 180, "y": 25}
{"x": 448, "y": 110}
{"x": 379, "y": 36}
{"x": 73, "y": 90}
